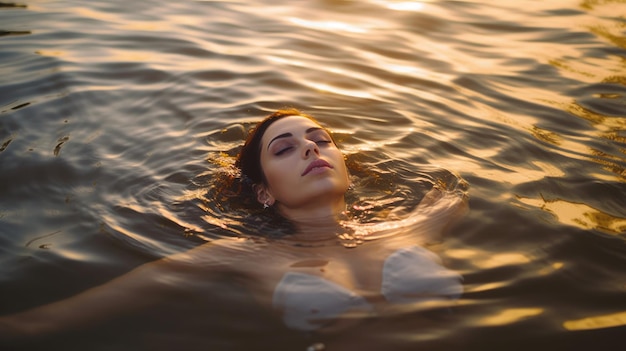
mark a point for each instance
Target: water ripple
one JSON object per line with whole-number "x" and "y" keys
{"x": 118, "y": 119}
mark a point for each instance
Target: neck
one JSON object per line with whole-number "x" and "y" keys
{"x": 316, "y": 223}
{"x": 324, "y": 213}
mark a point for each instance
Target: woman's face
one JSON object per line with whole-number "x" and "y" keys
{"x": 302, "y": 165}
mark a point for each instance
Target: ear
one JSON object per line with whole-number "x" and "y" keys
{"x": 263, "y": 195}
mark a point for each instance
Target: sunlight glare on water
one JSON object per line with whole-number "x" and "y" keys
{"x": 120, "y": 121}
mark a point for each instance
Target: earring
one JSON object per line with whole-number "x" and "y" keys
{"x": 265, "y": 205}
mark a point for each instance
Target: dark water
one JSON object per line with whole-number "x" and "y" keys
{"x": 116, "y": 116}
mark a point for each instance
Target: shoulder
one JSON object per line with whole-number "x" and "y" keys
{"x": 221, "y": 252}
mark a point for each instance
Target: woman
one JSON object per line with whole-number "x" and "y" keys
{"x": 294, "y": 169}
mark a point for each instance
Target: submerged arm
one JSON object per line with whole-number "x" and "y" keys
{"x": 438, "y": 210}
{"x": 139, "y": 289}
{"x": 131, "y": 291}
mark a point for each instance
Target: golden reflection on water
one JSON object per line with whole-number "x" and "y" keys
{"x": 546, "y": 135}
{"x": 514, "y": 175}
{"x": 327, "y": 88}
{"x": 401, "y": 5}
{"x": 607, "y": 128}
{"x": 510, "y": 315}
{"x": 50, "y": 53}
{"x": 586, "y": 70}
{"x": 597, "y": 119}
{"x": 608, "y": 165}
{"x": 597, "y": 322}
{"x": 579, "y": 215}
{"x": 605, "y": 7}
{"x": 606, "y": 32}
{"x": 93, "y": 14}
{"x": 549, "y": 170}
{"x": 489, "y": 260}
{"x": 591, "y": 69}
{"x": 503, "y": 259}
{"x": 331, "y": 25}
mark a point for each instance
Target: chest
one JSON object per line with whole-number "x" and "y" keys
{"x": 358, "y": 270}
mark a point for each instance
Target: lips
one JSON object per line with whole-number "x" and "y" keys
{"x": 319, "y": 163}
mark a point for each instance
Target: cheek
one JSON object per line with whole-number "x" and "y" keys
{"x": 346, "y": 174}
{"x": 277, "y": 173}
{"x": 341, "y": 161}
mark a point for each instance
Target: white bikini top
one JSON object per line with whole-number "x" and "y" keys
{"x": 411, "y": 274}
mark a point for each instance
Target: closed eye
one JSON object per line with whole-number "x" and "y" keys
{"x": 283, "y": 151}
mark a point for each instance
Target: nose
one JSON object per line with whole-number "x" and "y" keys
{"x": 310, "y": 147}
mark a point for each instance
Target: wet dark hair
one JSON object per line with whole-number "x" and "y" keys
{"x": 249, "y": 158}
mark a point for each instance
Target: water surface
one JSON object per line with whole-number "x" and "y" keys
{"x": 115, "y": 118}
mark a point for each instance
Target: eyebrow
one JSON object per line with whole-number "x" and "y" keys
{"x": 287, "y": 135}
